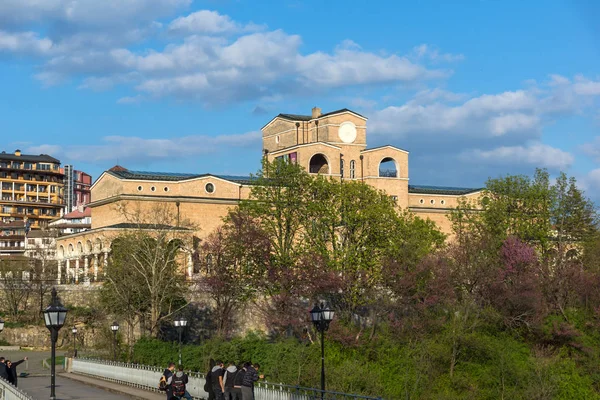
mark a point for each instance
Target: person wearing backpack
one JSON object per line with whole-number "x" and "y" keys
{"x": 166, "y": 380}
{"x": 178, "y": 385}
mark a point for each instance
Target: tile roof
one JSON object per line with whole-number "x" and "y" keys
{"x": 87, "y": 212}
{"x": 28, "y": 157}
{"x": 297, "y": 117}
{"x": 447, "y": 190}
{"x": 176, "y": 176}
{"x": 127, "y": 225}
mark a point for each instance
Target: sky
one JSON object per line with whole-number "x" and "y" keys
{"x": 473, "y": 89}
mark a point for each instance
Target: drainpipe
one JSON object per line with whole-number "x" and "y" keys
{"x": 362, "y": 171}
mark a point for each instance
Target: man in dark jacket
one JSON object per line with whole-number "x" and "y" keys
{"x": 4, "y": 369}
{"x": 237, "y": 382}
{"x": 216, "y": 378}
{"x": 168, "y": 374}
{"x": 250, "y": 377}
{"x": 12, "y": 370}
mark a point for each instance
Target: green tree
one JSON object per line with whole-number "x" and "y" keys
{"x": 145, "y": 273}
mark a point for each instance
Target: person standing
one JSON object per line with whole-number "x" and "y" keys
{"x": 237, "y": 382}
{"x": 168, "y": 374}
{"x": 13, "y": 376}
{"x": 216, "y": 377}
{"x": 250, "y": 377}
{"x": 4, "y": 369}
{"x": 228, "y": 380}
{"x": 208, "y": 382}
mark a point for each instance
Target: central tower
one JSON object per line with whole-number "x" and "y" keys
{"x": 335, "y": 144}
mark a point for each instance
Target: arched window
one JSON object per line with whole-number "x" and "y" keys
{"x": 318, "y": 164}
{"x": 352, "y": 169}
{"x": 387, "y": 168}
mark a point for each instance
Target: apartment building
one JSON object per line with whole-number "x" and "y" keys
{"x": 12, "y": 238}
{"x": 31, "y": 188}
{"x": 77, "y": 188}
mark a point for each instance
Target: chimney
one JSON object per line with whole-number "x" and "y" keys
{"x": 316, "y": 112}
{"x": 18, "y": 152}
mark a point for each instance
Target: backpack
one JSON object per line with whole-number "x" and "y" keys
{"x": 178, "y": 385}
{"x": 162, "y": 384}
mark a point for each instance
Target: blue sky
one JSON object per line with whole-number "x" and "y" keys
{"x": 473, "y": 89}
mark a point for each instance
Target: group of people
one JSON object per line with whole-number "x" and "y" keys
{"x": 8, "y": 370}
{"x": 236, "y": 382}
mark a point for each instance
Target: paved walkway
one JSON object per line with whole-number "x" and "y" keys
{"x": 70, "y": 386}
{"x": 38, "y": 387}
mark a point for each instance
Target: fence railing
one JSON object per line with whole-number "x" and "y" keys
{"x": 146, "y": 377}
{"x": 10, "y": 392}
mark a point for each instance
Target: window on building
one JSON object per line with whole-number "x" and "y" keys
{"x": 352, "y": 169}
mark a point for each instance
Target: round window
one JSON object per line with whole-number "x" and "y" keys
{"x": 209, "y": 187}
{"x": 140, "y": 188}
{"x": 166, "y": 189}
{"x": 153, "y": 188}
{"x": 422, "y": 201}
{"x": 432, "y": 201}
{"x": 442, "y": 202}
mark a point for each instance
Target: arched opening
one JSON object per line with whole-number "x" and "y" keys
{"x": 352, "y": 169}
{"x": 388, "y": 168}
{"x": 71, "y": 249}
{"x": 318, "y": 164}
{"x": 61, "y": 252}
{"x": 98, "y": 245}
{"x": 88, "y": 247}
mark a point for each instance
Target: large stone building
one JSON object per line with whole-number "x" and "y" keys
{"x": 332, "y": 144}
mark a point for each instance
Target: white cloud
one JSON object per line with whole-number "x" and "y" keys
{"x": 209, "y": 22}
{"x": 586, "y": 87}
{"x": 130, "y": 100}
{"x": 24, "y": 43}
{"x": 535, "y": 154}
{"x": 434, "y": 54}
{"x": 592, "y": 149}
{"x": 90, "y": 13}
{"x": 132, "y": 148}
{"x": 513, "y": 122}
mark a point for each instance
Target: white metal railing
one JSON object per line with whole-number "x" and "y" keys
{"x": 146, "y": 377}
{"x": 10, "y": 392}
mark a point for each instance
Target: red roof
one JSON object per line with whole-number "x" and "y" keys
{"x": 87, "y": 212}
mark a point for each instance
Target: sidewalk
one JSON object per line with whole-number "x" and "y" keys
{"x": 131, "y": 392}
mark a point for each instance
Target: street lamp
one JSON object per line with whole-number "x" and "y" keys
{"x": 54, "y": 318}
{"x": 180, "y": 324}
{"x": 114, "y": 327}
{"x": 74, "y": 330}
{"x": 321, "y": 317}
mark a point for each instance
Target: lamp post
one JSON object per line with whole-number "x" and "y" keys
{"x": 74, "y": 330}
{"x": 321, "y": 316}
{"x": 54, "y": 318}
{"x": 180, "y": 324}
{"x": 114, "y": 327}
